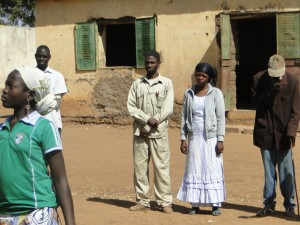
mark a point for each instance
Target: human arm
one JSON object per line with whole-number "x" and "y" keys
{"x": 59, "y": 87}
{"x": 132, "y": 105}
{"x": 293, "y": 122}
{"x": 184, "y": 115}
{"x": 220, "y": 115}
{"x": 58, "y": 100}
{"x": 264, "y": 89}
{"x": 50, "y": 143}
{"x": 60, "y": 181}
{"x": 166, "y": 103}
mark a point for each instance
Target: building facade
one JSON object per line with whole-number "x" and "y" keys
{"x": 98, "y": 45}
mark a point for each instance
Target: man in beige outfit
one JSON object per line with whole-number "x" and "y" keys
{"x": 150, "y": 103}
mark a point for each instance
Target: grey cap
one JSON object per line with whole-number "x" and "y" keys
{"x": 276, "y": 66}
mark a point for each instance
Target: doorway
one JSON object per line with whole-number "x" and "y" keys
{"x": 256, "y": 42}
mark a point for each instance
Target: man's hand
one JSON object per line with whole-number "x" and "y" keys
{"x": 143, "y": 132}
{"x": 219, "y": 147}
{"x": 275, "y": 86}
{"x": 152, "y": 122}
{"x": 292, "y": 141}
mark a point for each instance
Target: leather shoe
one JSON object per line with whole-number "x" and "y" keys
{"x": 167, "y": 209}
{"x": 139, "y": 207}
{"x": 290, "y": 212}
{"x": 267, "y": 210}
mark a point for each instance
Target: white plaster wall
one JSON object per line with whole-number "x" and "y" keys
{"x": 18, "y": 45}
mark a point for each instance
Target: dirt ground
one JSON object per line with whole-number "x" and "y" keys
{"x": 100, "y": 171}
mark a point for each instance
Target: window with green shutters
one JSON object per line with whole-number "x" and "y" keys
{"x": 86, "y": 46}
{"x": 288, "y": 34}
{"x": 145, "y": 39}
{"x": 123, "y": 46}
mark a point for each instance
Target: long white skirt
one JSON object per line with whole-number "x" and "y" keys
{"x": 203, "y": 182}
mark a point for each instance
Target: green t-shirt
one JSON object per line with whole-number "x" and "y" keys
{"x": 25, "y": 182}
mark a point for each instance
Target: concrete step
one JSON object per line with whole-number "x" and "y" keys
{"x": 240, "y": 121}
{"x": 241, "y": 129}
{"x": 241, "y": 117}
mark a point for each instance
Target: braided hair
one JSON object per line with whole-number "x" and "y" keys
{"x": 209, "y": 70}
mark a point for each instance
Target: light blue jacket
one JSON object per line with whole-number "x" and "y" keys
{"x": 214, "y": 114}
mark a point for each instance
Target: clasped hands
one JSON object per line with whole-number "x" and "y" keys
{"x": 153, "y": 123}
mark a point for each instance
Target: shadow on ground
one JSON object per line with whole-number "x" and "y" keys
{"x": 254, "y": 210}
{"x": 185, "y": 210}
{"x": 127, "y": 204}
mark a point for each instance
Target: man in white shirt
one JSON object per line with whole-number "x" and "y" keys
{"x": 57, "y": 82}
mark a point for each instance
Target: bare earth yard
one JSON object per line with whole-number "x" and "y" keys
{"x": 99, "y": 166}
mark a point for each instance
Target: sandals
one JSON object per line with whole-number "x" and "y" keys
{"x": 215, "y": 211}
{"x": 194, "y": 210}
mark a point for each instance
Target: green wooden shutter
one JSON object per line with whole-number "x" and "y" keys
{"x": 144, "y": 39}
{"x": 288, "y": 34}
{"x": 225, "y": 36}
{"x": 86, "y": 46}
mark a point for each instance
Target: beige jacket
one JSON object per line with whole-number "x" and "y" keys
{"x": 146, "y": 100}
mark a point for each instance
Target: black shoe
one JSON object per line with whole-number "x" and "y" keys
{"x": 194, "y": 210}
{"x": 216, "y": 211}
{"x": 290, "y": 212}
{"x": 267, "y": 210}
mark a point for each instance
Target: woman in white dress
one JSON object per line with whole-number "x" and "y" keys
{"x": 202, "y": 135}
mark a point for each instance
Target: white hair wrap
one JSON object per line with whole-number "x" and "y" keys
{"x": 37, "y": 81}
{"x": 46, "y": 105}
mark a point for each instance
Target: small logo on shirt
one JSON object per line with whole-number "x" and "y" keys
{"x": 19, "y": 138}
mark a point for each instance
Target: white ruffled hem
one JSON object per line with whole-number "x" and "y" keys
{"x": 202, "y": 196}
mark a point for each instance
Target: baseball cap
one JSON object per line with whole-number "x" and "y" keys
{"x": 276, "y": 66}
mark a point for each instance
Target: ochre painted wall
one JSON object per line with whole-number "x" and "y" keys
{"x": 185, "y": 35}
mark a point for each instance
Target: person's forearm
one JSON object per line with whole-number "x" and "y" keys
{"x": 66, "y": 202}
{"x": 58, "y": 99}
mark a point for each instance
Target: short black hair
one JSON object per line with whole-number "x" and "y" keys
{"x": 153, "y": 53}
{"x": 43, "y": 47}
{"x": 206, "y": 68}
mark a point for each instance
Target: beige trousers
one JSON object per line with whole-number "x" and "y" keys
{"x": 158, "y": 150}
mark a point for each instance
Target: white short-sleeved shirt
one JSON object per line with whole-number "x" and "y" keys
{"x": 58, "y": 86}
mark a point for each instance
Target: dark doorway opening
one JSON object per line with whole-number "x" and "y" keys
{"x": 256, "y": 43}
{"x": 120, "y": 45}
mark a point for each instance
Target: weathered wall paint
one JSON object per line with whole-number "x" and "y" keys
{"x": 17, "y": 46}
{"x": 185, "y": 34}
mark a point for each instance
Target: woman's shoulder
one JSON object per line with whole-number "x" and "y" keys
{"x": 214, "y": 90}
{"x": 217, "y": 90}
{"x": 189, "y": 92}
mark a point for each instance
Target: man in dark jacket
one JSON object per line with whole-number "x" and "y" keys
{"x": 276, "y": 95}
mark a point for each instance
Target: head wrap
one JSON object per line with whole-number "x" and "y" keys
{"x": 37, "y": 81}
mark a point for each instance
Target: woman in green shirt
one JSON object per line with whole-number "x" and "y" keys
{"x": 29, "y": 144}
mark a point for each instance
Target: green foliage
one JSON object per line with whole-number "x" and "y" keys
{"x": 17, "y": 12}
